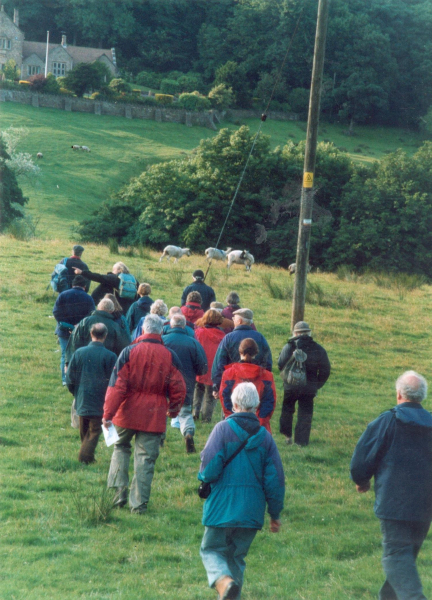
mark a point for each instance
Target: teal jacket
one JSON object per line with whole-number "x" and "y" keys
{"x": 253, "y": 479}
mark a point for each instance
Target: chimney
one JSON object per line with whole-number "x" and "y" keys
{"x": 16, "y": 17}
{"x": 63, "y": 43}
{"x": 114, "y": 56}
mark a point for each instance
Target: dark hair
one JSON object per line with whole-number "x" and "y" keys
{"x": 233, "y": 298}
{"x": 194, "y": 297}
{"x": 249, "y": 348}
{"x": 117, "y": 305}
{"x": 79, "y": 281}
{"x": 78, "y": 250}
{"x": 211, "y": 317}
{"x": 99, "y": 331}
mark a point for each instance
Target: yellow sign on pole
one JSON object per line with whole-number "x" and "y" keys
{"x": 308, "y": 180}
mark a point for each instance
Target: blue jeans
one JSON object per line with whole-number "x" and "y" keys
{"x": 402, "y": 541}
{"x": 63, "y": 343}
{"x": 223, "y": 552}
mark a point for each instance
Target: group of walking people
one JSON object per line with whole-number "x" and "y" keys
{"x": 130, "y": 362}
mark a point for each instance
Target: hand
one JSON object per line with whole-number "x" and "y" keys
{"x": 275, "y": 525}
{"x": 363, "y": 488}
{"x": 77, "y": 271}
{"x": 106, "y": 423}
{"x": 216, "y": 395}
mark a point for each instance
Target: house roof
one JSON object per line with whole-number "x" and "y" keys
{"x": 79, "y": 54}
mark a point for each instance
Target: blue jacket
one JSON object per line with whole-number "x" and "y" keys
{"x": 228, "y": 352}
{"x": 167, "y": 329}
{"x": 255, "y": 477}
{"x": 396, "y": 449}
{"x": 192, "y": 357}
{"x": 138, "y": 309}
{"x": 71, "y": 307}
{"x": 207, "y": 294}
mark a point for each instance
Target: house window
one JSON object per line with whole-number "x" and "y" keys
{"x": 59, "y": 69}
{"x": 33, "y": 70}
{"x": 5, "y": 44}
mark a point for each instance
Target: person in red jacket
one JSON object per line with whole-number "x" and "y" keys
{"x": 145, "y": 376}
{"x": 192, "y": 309}
{"x": 209, "y": 335}
{"x": 246, "y": 370}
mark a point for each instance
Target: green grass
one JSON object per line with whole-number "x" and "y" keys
{"x": 53, "y": 545}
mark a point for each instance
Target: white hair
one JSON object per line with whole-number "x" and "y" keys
{"x": 106, "y": 305}
{"x": 245, "y": 396}
{"x": 174, "y": 310}
{"x": 178, "y": 320}
{"x": 120, "y": 267}
{"x": 159, "y": 308}
{"x": 243, "y": 320}
{"x": 152, "y": 324}
{"x": 412, "y": 386}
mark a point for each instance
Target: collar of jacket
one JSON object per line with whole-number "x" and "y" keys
{"x": 96, "y": 343}
{"x": 178, "y": 330}
{"x": 104, "y": 313}
{"x": 247, "y": 421}
{"x": 303, "y": 336}
{"x": 149, "y": 337}
{"x": 193, "y": 305}
{"x": 409, "y": 404}
{"x": 247, "y": 327}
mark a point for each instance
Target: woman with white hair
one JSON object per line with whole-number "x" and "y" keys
{"x": 158, "y": 308}
{"x": 243, "y": 466}
{"x": 119, "y": 282}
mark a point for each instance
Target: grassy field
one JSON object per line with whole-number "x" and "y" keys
{"x": 50, "y": 545}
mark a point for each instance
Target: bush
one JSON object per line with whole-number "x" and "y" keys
{"x": 22, "y": 83}
{"x": 23, "y": 228}
{"x": 164, "y": 99}
{"x": 190, "y": 82}
{"x": 64, "y": 92}
{"x": 221, "y": 96}
{"x": 119, "y": 85}
{"x": 194, "y": 101}
{"x": 148, "y": 79}
{"x": 44, "y": 85}
{"x": 169, "y": 86}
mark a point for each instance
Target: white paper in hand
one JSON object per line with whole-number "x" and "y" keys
{"x": 111, "y": 436}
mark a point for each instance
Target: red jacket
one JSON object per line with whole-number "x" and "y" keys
{"x": 236, "y": 373}
{"x": 192, "y": 311}
{"x": 146, "y": 384}
{"x": 209, "y": 338}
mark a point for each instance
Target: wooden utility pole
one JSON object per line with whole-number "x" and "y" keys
{"x": 306, "y": 205}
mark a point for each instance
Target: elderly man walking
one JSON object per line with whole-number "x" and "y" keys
{"x": 396, "y": 449}
{"x": 87, "y": 378}
{"x": 193, "y": 361}
{"x": 146, "y": 384}
{"x": 228, "y": 351}
{"x": 317, "y": 367}
{"x": 243, "y": 466}
{"x": 207, "y": 293}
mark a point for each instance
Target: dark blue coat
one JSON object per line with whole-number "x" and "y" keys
{"x": 396, "y": 449}
{"x": 228, "y": 351}
{"x": 191, "y": 355}
{"x": 71, "y": 307}
{"x": 207, "y": 294}
{"x": 138, "y": 309}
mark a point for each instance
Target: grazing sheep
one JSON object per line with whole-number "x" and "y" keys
{"x": 39, "y": 155}
{"x": 292, "y": 268}
{"x": 215, "y": 254}
{"x": 240, "y": 257}
{"x": 76, "y": 147}
{"x": 85, "y": 148}
{"x": 174, "y": 252}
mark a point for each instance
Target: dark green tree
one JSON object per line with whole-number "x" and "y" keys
{"x": 11, "y": 196}
{"x": 87, "y": 77}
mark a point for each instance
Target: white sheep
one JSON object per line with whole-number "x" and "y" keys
{"x": 85, "y": 148}
{"x": 76, "y": 147}
{"x": 240, "y": 257}
{"x": 292, "y": 268}
{"x": 215, "y": 254}
{"x": 174, "y": 252}
{"x": 39, "y": 155}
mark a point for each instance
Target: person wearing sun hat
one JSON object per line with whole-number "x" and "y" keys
{"x": 317, "y": 372}
{"x": 207, "y": 293}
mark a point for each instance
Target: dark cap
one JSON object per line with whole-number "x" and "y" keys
{"x": 79, "y": 281}
{"x": 246, "y": 313}
{"x": 78, "y": 250}
{"x": 198, "y": 274}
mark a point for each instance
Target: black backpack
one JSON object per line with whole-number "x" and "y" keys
{"x": 294, "y": 372}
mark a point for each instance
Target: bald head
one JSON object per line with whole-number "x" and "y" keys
{"x": 174, "y": 310}
{"x": 411, "y": 387}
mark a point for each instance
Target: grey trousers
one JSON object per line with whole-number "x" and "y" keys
{"x": 146, "y": 452}
{"x": 203, "y": 402}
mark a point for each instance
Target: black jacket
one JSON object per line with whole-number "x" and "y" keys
{"x": 138, "y": 309}
{"x": 74, "y": 262}
{"x": 317, "y": 363}
{"x": 71, "y": 307}
{"x": 88, "y": 376}
{"x": 207, "y": 294}
{"x": 108, "y": 284}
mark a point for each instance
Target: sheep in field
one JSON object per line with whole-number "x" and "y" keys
{"x": 39, "y": 155}
{"x": 240, "y": 257}
{"x": 292, "y": 268}
{"x": 85, "y": 148}
{"x": 76, "y": 147}
{"x": 174, "y": 252}
{"x": 215, "y": 254}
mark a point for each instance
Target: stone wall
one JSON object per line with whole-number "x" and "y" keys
{"x": 256, "y": 114}
{"x": 116, "y": 109}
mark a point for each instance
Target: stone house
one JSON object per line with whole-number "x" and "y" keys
{"x": 30, "y": 56}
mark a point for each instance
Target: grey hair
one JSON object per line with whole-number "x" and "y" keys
{"x": 120, "y": 267}
{"x": 99, "y": 331}
{"x": 106, "y": 304}
{"x": 159, "y": 308}
{"x": 245, "y": 321}
{"x": 233, "y": 298}
{"x": 245, "y": 396}
{"x": 152, "y": 324}
{"x": 174, "y": 310}
{"x": 178, "y": 320}
{"x": 412, "y": 386}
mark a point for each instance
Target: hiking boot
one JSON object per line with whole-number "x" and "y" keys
{"x": 190, "y": 446}
{"x": 141, "y": 510}
{"x": 288, "y": 440}
{"x": 227, "y": 588}
{"x": 120, "y": 497}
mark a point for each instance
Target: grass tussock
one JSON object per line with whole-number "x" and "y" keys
{"x": 400, "y": 283}
{"x": 93, "y": 506}
{"x": 24, "y": 229}
{"x": 177, "y": 275}
{"x": 113, "y": 246}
